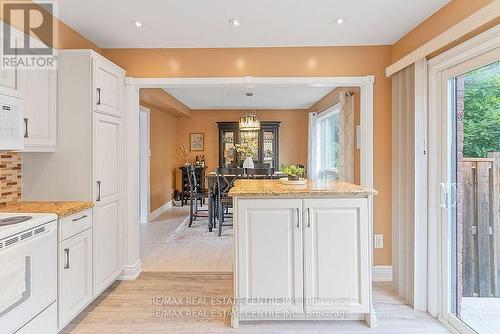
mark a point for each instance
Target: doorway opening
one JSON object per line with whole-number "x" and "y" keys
{"x": 166, "y": 243}
{"x": 474, "y": 208}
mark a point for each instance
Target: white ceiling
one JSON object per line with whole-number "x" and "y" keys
{"x": 264, "y": 96}
{"x": 204, "y": 23}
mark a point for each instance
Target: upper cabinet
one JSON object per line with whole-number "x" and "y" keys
{"x": 39, "y": 88}
{"x": 8, "y": 79}
{"x": 107, "y": 87}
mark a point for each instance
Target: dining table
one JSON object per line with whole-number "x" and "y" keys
{"x": 211, "y": 179}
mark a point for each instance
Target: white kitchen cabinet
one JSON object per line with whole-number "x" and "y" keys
{"x": 39, "y": 88}
{"x": 302, "y": 258}
{"x": 107, "y": 134}
{"x": 336, "y": 254}
{"x": 270, "y": 261}
{"x": 88, "y": 162}
{"x": 8, "y": 79}
{"x": 75, "y": 275}
{"x": 107, "y": 83}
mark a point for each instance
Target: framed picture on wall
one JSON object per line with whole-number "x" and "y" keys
{"x": 197, "y": 141}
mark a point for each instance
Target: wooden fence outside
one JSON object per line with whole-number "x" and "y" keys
{"x": 481, "y": 226}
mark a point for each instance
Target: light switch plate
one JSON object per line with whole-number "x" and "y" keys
{"x": 379, "y": 241}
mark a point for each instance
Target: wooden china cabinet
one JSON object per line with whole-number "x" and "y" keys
{"x": 267, "y": 139}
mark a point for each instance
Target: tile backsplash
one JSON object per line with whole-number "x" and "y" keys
{"x": 10, "y": 177}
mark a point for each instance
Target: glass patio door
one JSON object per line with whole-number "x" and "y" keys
{"x": 470, "y": 202}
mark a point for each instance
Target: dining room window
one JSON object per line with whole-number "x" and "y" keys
{"x": 327, "y": 143}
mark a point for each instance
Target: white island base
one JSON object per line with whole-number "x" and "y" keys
{"x": 302, "y": 254}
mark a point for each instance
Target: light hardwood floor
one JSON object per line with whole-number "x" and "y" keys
{"x": 188, "y": 282}
{"x": 131, "y": 307}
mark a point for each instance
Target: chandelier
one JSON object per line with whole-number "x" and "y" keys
{"x": 250, "y": 121}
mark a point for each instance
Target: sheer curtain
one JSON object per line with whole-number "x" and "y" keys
{"x": 346, "y": 137}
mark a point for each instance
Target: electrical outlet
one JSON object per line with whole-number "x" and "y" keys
{"x": 379, "y": 241}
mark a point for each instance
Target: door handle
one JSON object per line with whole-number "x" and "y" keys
{"x": 98, "y": 191}
{"x": 66, "y": 252}
{"x": 308, "y": 217}
{"x": 444, "y": 196}
{"x": 98, "y": 96}
{"x": 298, "y": 218}
{"x": 25, "y": 127}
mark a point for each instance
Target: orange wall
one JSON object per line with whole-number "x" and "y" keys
{"x": 70, "y": 39}
{"x": 446, "y": 17}
{"x": 163, "y": 129}
{"x": 293, "y": 132}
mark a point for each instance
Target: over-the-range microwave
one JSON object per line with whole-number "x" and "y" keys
{"x": 11, "y": 123}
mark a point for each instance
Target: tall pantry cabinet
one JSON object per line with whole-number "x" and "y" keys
{"x": 88, "y": 162}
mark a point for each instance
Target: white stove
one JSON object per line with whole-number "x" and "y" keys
{"x": 10, "y": 228}
{"x": 28, "y": 273}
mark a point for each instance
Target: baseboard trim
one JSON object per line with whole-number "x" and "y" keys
{"x": 382, "y": 274}
{"x": 130, "y": 273}
{"x": 155, "y": 214}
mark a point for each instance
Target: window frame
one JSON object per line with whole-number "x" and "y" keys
{"x": 321, "y": 153}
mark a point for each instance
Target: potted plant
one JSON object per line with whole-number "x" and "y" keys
{"x": 293, "y": 172}
{"x": 248, "y": 149}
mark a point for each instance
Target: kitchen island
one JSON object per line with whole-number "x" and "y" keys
{"x": 302, "y": 252}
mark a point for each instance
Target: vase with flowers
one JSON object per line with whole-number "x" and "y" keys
{"x": 248, "y": 149}
{"x": 183, "y": 153}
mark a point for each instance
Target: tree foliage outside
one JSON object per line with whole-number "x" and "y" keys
{"x": 482, "y": 111}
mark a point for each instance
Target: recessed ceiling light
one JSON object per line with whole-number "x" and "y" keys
{"x": 340, "y": 20}
{"x": 235, "y": 22}
{"x": 138, "y": 24}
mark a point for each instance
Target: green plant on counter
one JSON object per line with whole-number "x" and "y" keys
{"x": 292, "y": 171}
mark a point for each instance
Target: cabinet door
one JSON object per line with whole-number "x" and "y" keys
{"x": 75, "y": 275}
{"x": 9, "y": 76}
{"x": 40, "y": 109}
{"x": 336, "y": 255}
{"x": 108, "y": 87}
{"x": 269, "y": 259}
{"x": 107, "y": 163}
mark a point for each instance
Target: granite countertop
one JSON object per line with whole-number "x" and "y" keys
{"x": 62, "y": 209}
{"x": 314, "y": 188}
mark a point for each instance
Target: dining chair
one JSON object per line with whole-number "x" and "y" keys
{"x": 225, "y": 181}
{"x": 259, "y": 165}
{"x": 196, "y": 193}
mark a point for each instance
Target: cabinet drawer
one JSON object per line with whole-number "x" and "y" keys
{"x": 74, "y": 224}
